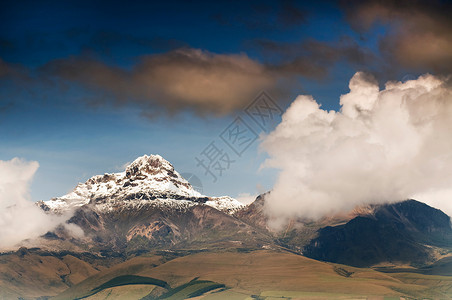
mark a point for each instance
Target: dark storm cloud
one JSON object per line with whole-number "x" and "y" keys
{"x": 291, "y": 15}
{"x": 263, "y": 16}
{"x": 5, "y": 69}
{"x": 13, "y": 71}
{"x": 314, "y": 59}
{"x": 6, "y": 44}
{"x": 187, "y": 78}
{"x": 419, "y": 35}
{"x": 104, "y": 41}
{"x": 201, "y": 81}
{"x": 182, "y": 79}
{"x": 101, "y": 42}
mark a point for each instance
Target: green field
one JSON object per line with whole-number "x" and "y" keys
{"x": 129, "y": 290}
{"x": 191, "y": 289}
{"x": 262, "y": 274}
{"x": 129, "y": 280}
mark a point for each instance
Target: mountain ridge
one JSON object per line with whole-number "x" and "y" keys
{"x": 147, "y": 178}
{"x": 151, "y": 214}
{"x": 150, "y": 206}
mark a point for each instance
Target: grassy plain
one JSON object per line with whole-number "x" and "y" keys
{"x": 267, "y": 274}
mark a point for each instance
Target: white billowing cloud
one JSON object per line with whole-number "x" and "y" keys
{"x": 382, "y": 146}
{"x": 20, "y": 219}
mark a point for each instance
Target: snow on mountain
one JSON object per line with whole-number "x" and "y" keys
{"x": 225, "y": 203}
{"x": 149, "y": 180}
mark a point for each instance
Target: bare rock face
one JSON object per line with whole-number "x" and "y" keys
{"x": 149, "y": 205}
{"x": 407, "y": 232}
{"x": 254, "y": 213}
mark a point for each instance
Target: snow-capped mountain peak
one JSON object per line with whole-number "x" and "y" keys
{"x": 149, "y": 179}
{"x": 157, "y": 174}
{"x": 149, "y": 165}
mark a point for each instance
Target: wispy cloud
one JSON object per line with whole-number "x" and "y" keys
{"x": 21, "y": 219}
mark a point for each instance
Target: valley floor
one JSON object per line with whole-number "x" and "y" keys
{"x": 223, "y": 274}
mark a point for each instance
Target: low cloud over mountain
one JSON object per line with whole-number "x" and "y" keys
{"x": 383, "y": 145}
{"x": 20, "y": 218}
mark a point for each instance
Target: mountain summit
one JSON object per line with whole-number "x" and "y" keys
{"x": 149, "y": 217}
{"x": 148, "y": 205}
{"x": 146, "y": 179}
{"x": 151, "y": 206}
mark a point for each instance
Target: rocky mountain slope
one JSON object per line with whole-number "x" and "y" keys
{"x": 406, "y": 232}
{"x": 150, "y": 206}
{"x": 149, "y": 210}
{"x": 147, "y": 206}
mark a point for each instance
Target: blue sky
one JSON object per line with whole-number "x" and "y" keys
{"x": 77, "y": 127}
